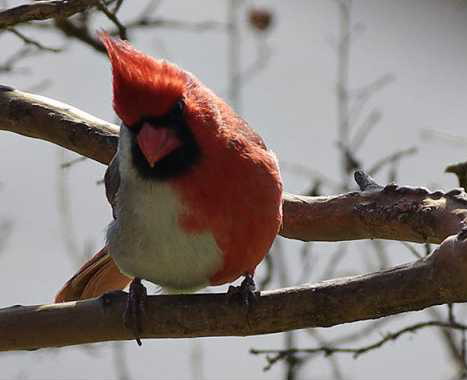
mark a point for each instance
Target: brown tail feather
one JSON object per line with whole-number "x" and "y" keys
{"x": 95, "y": 277}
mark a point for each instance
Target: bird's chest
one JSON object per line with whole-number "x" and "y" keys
{"x": 147, "y": 241}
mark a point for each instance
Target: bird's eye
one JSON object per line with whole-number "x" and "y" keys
{"x": 178, "y": 108}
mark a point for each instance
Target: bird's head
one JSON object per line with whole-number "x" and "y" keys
{"x": 151, "y": 97}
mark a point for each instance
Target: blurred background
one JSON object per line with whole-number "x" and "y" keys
{"x": 331, "y": 85}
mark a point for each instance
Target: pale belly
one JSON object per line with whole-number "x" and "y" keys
{"x": 147, "y": 242}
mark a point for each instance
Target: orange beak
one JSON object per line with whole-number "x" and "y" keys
{"x": 156, "y": 143}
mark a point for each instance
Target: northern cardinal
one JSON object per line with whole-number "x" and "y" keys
{"x": 196, "y": 195}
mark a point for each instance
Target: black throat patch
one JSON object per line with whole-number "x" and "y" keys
{"x": 176, "y": 163}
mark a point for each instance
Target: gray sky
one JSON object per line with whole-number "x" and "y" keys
{"x": 291, "y": 103}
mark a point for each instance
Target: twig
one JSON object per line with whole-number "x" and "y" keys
{"x": 117, "y": 6}
{"x": 306, "y": 171}
{"x": 356, "y": 352}
{"x": 411, "y": 249}
{"x": 343, "y": 65}
{"x": 30, "y": 41}
{"x": 80, "y": 32}
{"x": 43, "y": 10}
{"x": 9, "y": 65}
{"x": 70, "y": 163}
{"x": 333, "y": 262}
{"x": 393, "y": 157}
{"x": 202, "y": 26}
{"x": 362, "y": 95}
{"x": 234, "y": 54}
{"x": 263, "y": 55}
{"x": 433, "y": 134}
{"x": 448, "y": 336}
{"x": 364, "y": 130}
{"x": 332, "y": 360}
{"x": 362, "y": 333}
{"x": 122, "y": 31}
{"x": 306, "y": 256}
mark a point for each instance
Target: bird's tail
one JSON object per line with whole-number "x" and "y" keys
{"x": 98, "y": 275}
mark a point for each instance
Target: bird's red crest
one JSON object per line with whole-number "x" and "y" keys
{"x": 142, "y": 85}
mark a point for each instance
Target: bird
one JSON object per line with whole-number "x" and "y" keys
{"x": 196, "y": 195}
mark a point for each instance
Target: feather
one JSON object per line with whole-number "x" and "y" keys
{"x": 142, "y": 85}
{"x": 97, "y": 276}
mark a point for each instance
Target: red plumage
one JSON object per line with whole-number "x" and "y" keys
{"x": 142, "y": 85}
{"x": 236, "y": 191}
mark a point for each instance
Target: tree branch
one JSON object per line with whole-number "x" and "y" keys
{"x": 43, "y": 10}
{"x": 436, "y": 279}
{"x": 46, "y": 119}
{"x": 356, "y": 352}
{"x": 377, "y": 212}
{"x": 389, "y": 212}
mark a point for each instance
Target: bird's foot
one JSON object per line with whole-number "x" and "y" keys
{"x": 135, "y": 308}
{"x": 246, "y": 291}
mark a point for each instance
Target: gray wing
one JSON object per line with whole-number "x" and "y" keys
{"x": 112, "y": 183}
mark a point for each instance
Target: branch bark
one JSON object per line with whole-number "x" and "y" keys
{"x": 436, "y": 279}
{"x": 43, "y": 10}
{"x": 389, "y": 212}
{"x": 46, "y": 119}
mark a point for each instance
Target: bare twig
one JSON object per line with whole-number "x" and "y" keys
{"x": 43, "y": 10}
{"x": 201, "y": 26}
{"x": 331, "y": 267}
{"x": 122, "y": 31}
{"x": 362, "y": 95}
{"x": 343, "y": 64}
{"x": 70, "y": 163}
{"x": 29, "y": 41}
{"x": 9, "y": 65}
{"x": 80, "y": 32}
{"x": 355, "y": 352}
{"x": 393, "y": 157}
{"x": 411, "y": 249}
{"x": 364, "y": 130}
{"x": 448, "y": 336}
{"x": 433, "y": 134}
{"x": 234, "y": 54}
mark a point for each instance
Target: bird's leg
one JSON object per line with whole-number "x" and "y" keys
{"x": 135, "y": 308}
{"x": 246, "y": 290}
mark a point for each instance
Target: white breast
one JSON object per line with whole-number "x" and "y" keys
{"x": 146, "y": 240}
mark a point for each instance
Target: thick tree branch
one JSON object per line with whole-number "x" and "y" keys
{"x": 46, "y": 119}
{"x": 394, "y": 213}
{"x": 390, "y": 212}
{"x": 436, "y": 279}
{"x": 43, "y": 10}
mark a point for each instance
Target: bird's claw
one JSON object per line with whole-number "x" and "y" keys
{"x": 246, "y": 291}
{"x": 135, "y": 309}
